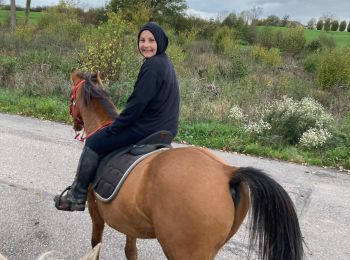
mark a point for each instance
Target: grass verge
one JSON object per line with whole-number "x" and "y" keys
{"x": 215, "y": 135}
{"x": 49, "y": 108}
{"x": 228, "y": 137}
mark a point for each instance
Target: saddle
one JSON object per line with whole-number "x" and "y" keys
{"x": 115, "y": 167}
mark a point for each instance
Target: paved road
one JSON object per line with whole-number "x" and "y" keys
{"x": 38, "y": 159}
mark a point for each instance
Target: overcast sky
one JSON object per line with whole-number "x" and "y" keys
{"x": 300, "y": 10}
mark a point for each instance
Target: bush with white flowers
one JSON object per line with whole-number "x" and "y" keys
{"x": 314, "y": 138}
{"x": 304, "y": 122}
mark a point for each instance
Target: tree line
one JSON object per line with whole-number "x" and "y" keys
{"x": 173, "y": 12}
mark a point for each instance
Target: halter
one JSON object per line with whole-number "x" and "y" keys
{"x": 76, "y": 115}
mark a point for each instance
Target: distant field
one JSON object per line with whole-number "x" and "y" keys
{"x": 33, "y": 16}
{"x": 342, "y": 38}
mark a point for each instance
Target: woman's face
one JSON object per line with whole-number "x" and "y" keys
{"x": 147, "y": 44}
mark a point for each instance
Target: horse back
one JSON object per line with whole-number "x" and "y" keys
{"x": 180, "y": 188}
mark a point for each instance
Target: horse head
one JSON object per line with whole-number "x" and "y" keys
{"x": 90, "y": 105}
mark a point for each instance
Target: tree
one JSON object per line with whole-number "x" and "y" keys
{"x": 230, "y": 20}
{"x": 327, "y": 24}
{"x": 342, "y": 26}
{"x": 272, "y": 20}
{"x": 334, "y": 25}
{"x": 13, "y": 15}
{"x": 348, "y": 27}
{"x": 284, "y": 22}
{"x": 255, "y": 13}
{"x": 319, "y": 25}
{"x": 159, "y": 9}
{"x": 27, "y": 12}
{"x": 311, "y": 24}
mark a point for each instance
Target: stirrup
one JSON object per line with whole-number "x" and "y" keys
{"x": 71, "y": 206}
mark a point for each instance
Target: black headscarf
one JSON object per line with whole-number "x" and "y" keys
{"x": 159, "y": 35}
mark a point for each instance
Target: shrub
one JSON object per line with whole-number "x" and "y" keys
{"x": 237, "y": 68}
{"x": 224, "y": 39}
{"x": 266, "y": 38}
{"x": 110, "y": 49}
{"x": 293, "y": 40}
{"x": 311, "y": 62}
{"x": 327, "y": 42}
{"x": 314, "y": 138}
{"x": 314, "y": 46}
{"x": 8, "y": 67}
{"x": 287, "y": 120}
{"x": 271, "y": 57}
{"x": 334, "y": 69}
{"x": 236, "y": 114}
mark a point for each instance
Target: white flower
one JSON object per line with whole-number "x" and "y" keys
{"x": 236, "y": 113}
{"x": 257, "y": 127}
{"x": 314, "y": 138}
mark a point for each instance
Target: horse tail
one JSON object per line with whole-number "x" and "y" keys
{"x": 273, "y": 221}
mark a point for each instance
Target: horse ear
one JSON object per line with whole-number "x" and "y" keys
{"x": 93, "y": 254}
{"x": 96, "y": 78}
{"x": 76, "y": 75}
{"x": 2, "y": 257}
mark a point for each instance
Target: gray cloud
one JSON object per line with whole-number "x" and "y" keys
{"x": 299, "y": 10}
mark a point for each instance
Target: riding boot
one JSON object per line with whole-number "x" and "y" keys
{"x": 75, "y": 198}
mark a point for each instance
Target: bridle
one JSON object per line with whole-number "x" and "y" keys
{"x": 77, "y": 119}
{"x": 73, "y": 102}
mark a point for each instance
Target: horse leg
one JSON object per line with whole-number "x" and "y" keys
{"x": 130, "y": 248}
{"x": 98, "y": 223}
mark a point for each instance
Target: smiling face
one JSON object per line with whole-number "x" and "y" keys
{"x": 147, "y": 44}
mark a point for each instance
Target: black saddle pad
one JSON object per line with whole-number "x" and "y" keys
{"x": 113, "y": 171}
{"x": 110, "y": 173}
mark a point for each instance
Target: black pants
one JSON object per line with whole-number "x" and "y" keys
{"x": 103, "y": 141}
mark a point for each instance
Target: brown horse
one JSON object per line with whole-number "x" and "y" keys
{"x": 191, "y": 201}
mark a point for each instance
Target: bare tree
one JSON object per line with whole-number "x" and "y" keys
{"x": 311, "y": 24}
{"x": 13, "y": 15}
{"x": 328, "y": 16}
{"x": 222, "y": 15}
{"x": 27, "y": 12}
{"x": 255, "y": 13}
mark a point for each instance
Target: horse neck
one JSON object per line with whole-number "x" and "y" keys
{"x": 95, "y": 117}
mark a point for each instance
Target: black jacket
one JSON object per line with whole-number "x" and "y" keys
{"x": 154, "y": 102}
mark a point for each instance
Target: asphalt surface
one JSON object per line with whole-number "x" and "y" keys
{"x": 38, "y": 160}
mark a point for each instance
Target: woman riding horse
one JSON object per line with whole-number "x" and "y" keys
{"x": 187, "y": 198}
{"x": 153, "y": 106}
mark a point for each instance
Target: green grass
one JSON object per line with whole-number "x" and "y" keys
{"x": 33, "y": 16}
{"x": 49, "y": 108}
{"x": 342, "y": 38}
{"x": 228, "y": 137}
{"x": 215, "y": 135}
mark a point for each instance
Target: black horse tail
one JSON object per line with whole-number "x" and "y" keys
{"x": 274, "y": 224}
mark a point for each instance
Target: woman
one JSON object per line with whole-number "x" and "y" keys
{"x": 152, "y": 106}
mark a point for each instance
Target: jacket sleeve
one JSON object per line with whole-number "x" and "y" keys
{"x": 145, "y": 89}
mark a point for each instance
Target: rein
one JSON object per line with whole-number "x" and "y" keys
{"x": 82, "y": 138}
{"x": 76, "y": 116}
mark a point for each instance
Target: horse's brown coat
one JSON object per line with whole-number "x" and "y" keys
{"x": 180, "y": 196}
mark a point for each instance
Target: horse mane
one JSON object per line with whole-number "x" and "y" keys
{"x": 93, "y": 90}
